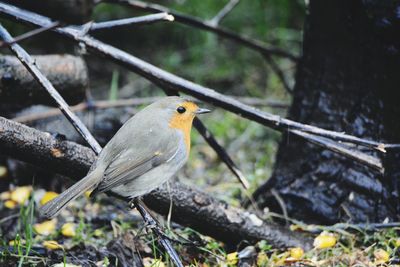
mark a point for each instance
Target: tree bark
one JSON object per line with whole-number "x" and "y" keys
{"x": 67, "y": 73}
{"x": 346, "y": 81}
{"x": 190, "y": 207}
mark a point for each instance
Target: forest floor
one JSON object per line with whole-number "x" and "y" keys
{"x": 105, "y": 233}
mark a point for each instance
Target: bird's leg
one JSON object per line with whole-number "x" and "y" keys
{"x": 155, "y": 226}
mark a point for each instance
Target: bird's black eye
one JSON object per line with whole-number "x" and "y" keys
{"x": 181, "y": 109}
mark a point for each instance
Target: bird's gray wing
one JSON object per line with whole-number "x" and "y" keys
{"x": 134, "y": 162}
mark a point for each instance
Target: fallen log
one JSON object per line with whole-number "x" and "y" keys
{"x": 67, "y": 73}
{"x": 191, "y": 207}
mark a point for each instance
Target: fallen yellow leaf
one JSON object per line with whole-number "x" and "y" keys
{"x": 262, "y": 259}
{"x": 47, "y": 197}
{"x": 324, "y": 240}
{"x": 46, "y": 227}
{"x": 21, "y": 194}
{"x": 10, "y": 204}
{"x": 68, "y": 230}
{"x": 296, "y": 253}
{"x": 51, "y": 244}
{"x": 381, "y": 256}
{"x": 232, "y": 258}
{"x": 98, "y": 232}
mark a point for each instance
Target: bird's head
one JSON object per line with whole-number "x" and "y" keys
{"x": 180, "y": 112}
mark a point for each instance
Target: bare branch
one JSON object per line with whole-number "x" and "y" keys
{"x": 198, "y": 23}
{"x": 142, "y": 20}
{"x": 275, "y": 68}
{"x": 223, "y": 12}
{"x": 342, "y": 149}
{"x": 191, "y": 207}
{"x": 221, "y": 152}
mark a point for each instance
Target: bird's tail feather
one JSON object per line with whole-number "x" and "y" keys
{"x": 54, "y": 206}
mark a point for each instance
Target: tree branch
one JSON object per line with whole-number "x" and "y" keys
{"x": 221, "y": 152}
{"x": 191, "y": 207}
{"x": 142, "y": 20}
{"x": 363, "y": 158}
{"x": 31, "y": 34}
{"x": 275, "y": 67}
{"x": 223, "y": 12}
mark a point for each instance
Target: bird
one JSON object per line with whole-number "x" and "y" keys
{"x": 146, "y": 152}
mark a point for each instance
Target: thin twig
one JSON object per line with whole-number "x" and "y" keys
{"x": 198, "y": 23}
{"x": 221, "y": 152}
{"x": 275, "y": 68}
{"x": 148, "y": 19}
{"x": 361, "y": 157}
{"x": 29, "y": 63}
{"x": 173, "y": 82}
{"x": 31, "y": 34}
{"x": 223, "y": 12}
{"x": 10, "y": 217}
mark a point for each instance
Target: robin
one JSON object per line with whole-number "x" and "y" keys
{"x": 148, "y": 150}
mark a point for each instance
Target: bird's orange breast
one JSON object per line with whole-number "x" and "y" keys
{"x": 184, "y": 124}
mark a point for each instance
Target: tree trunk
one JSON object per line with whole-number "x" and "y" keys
{"x": 346, "y": 81}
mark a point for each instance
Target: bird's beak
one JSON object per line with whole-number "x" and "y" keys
{"x": 202, "y": 111}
